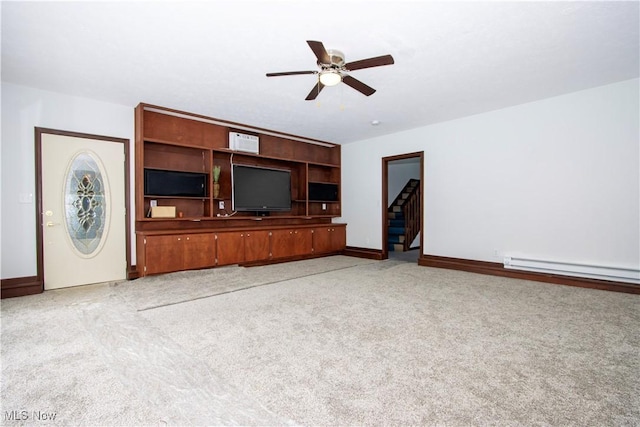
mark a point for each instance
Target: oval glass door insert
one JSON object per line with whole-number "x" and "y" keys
{"x": 85, "y": 204}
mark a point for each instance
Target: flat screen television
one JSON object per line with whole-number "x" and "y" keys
{"x": 166, "y": 183}
{"x": 259, "y": 189}
{"x": 323, "y": 192}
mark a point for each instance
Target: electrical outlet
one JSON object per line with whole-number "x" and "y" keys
{"x": 324, "y": 206}
{"x": 153, "y": 203}
{"x": 221, "y": 204}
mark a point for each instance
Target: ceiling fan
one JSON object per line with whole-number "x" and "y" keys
{"x": 333, "y": 69}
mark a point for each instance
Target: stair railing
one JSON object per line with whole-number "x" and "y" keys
{"x": 411, "y": 212}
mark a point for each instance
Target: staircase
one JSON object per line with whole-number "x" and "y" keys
{"x": 403, "y": 217}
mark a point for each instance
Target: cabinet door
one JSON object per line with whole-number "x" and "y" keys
{"x": 303, "y": 241}
{"x": 329, "y": 239}
{"x": 199, "y": 251}
{"x": 256, "y": 245}
{"x": 322, "y": 240}
{"x": 338, "y": 238}
{"x": 229, "y": 248}
{"x": 163, "y": 254}
{"x": 291, "y": 242}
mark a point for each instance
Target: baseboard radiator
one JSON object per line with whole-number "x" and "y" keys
{"x": 602, "y": 272}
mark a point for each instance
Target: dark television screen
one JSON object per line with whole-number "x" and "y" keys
{"x": 323, "y": 192}
{"x": 260, "y": 189}
{"x": 174, "y": 184}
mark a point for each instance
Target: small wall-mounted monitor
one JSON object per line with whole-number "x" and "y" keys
{"x": 323, "y": 192}
{"x": 166, "y": 183}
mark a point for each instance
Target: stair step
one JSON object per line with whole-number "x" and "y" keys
{"x": 396, "y": 223}
{"x": 392, "y": 240}
{"x": 395, "y": 238}
{"x": 397, "y": 209}
{"x": 398, "y": 247}
{"x": 396, "y": 230}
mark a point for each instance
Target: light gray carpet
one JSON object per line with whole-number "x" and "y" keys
{"x": 157, "y": 291}
{"x": 333, "y": 341}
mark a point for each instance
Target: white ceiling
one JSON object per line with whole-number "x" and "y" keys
{"x": 452, "y": 59}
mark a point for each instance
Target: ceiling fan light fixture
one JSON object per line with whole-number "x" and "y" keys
{"x": 330, "y": 77}
{"x": 334, "y": 70}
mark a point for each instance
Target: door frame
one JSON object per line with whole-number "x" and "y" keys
{"x": 39, "y": 131}
{"x": 385, "y": 197}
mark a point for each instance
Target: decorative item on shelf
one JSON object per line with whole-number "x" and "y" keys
{"x": 216, "y": 185}
{"x": 163, "y": 212}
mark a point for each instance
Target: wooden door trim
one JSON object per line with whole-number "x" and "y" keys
{"x": 39, "y": 131}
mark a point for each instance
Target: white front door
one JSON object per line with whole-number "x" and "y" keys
{"x": 83, "y": 208}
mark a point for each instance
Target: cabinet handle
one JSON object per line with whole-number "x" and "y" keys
{"x": 179, "y": 239}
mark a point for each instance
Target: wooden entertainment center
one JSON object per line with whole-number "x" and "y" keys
{"x": 205, "y": 232}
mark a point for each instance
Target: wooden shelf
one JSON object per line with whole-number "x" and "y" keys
{"x": 173, "y": 140}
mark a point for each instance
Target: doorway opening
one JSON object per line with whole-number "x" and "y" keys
{"x": 403, "y": 201}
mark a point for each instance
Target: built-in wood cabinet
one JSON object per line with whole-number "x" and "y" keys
{"x": 206, "y": 232}
{"x": 328, "y": 239}
{"x": 290, "y": 243}
{"x": 183, "y": 142}
{"x": 175, "y": 252}
{"x": 231, "y": 248}
{"x": 167, "y": 251}
{"x": 238, "y": 247}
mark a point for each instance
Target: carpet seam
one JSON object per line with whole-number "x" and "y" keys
{"x": 245, "y": 288}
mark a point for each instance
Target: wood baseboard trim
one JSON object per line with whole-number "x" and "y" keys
{"x": 497, "y": 269}
{"x": 20, "y": 286}
{"x": 133, "y": 273}
{"x": 363, "y": 253}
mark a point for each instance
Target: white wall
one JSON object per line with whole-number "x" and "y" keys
{"x": 557, "y": 179}
{"x": 23, "y": 109}
{"x": 400, "y": 172}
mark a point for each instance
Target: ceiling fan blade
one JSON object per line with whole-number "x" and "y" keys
{"x": 290, "y": 73}
{"x": 358, "y": 85}
{"x": 315, "y": 91}
{"x": 370, "y": 62}
{"x": 320, "y": 52}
